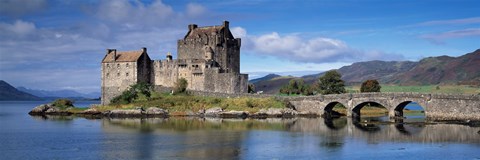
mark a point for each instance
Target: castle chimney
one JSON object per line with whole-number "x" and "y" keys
{"x": 226, "y": 24}
{"x": 144, "y": 50}
{"x": 192, "y": 26}
{"x": 114, "y": 57}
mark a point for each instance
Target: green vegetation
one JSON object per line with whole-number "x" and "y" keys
{"x": 465, "y": 89}
{"x": 139, "y": 91}
{"x": 251, "y": 88}
{"x": 296, "y": 87}
{"x": 331, "y": 83}
{"x": 63, "y": 103}
{"x": 180, "y": 86}
{"x": 371, "y": 85}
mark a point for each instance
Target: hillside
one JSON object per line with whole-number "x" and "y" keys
{"x": 10, "y": 93}
{"x": 442, "y": 70}
{"x": 59, "y": 93}
{"x": 428, "y": 71}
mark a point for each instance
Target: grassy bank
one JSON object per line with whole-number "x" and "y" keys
{"x": 465, "y": 89}
{"x": 181, "y": 104}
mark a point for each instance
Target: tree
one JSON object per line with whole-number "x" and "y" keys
{"x": 131, "y": 94}
{"x": 370, "y": 85}
{"x": 180, "y": 86}
{"x": 251, "y": 88}
{"x": 331, "y": 83}
{"x": 296, "y": 86}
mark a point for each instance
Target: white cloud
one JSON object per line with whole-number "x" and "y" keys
{"x": 19, "y": 28}
{"x": 439, "y": 38}
{"x": 312, "y": 50}
{"x": 463, "y": 21}
{"x": 238, "y": 32}
{"x": 195, "y": 10}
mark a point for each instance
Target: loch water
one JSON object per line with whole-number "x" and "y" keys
{"x": 27, "y": 137}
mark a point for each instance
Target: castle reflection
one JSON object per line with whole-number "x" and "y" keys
{"x": 219, "y": 138}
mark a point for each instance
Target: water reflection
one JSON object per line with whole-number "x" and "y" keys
{"x": 344, "y": 126}
{"x": 199, "y": 138}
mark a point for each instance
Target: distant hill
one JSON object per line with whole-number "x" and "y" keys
{"x": 59, "y": 94}
{"x": 267, "y": 77}
{"x": 10, "y": 93}
{"x": 428, "y": 71}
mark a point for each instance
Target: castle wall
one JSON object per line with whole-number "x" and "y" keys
{"x": 117, "y": 77}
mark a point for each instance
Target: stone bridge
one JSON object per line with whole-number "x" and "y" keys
{"x": 435, "y": 106}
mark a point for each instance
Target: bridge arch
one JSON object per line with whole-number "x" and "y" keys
{"x": 398, "y": 110}
{"x": 357, "y": 107}
{"x": 329, "y": 112}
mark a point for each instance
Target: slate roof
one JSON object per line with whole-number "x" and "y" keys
{"x": 198, "y": 32}
{"x": 123, "y": 56}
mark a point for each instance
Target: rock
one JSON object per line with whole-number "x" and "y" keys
{"x": 52, "y": 110}
{"x": 91, "y": 111}
{"x": 155, "y": 111}
{"x": 119, "y": 113}
{"x": 49, "y": 109}
{"x": 307, "y": 114}
{"x": 190, "y": 113}
{"x": 288, "y": 112}
{"x": 278, "y": 112}
{"x": 274, "y": 112}
{"x": 213, "y": 112}
{"x": 233, "y": 114}
{"x": 39, "y": 110}
{"x": 262, "y": 113}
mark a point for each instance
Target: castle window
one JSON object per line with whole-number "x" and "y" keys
{"x": 126, "y": 74}
{"x": 127, "y": 65}
{"x": 108, "y": 65}
{"x": 118, "y": 74}
{"x": 108, "y": 74}
{"x": 118, "y": 65}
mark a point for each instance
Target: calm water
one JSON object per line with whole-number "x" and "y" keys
{"x": 26, "y": 137}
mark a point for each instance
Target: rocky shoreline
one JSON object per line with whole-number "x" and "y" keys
{"x": 139, "y": 112}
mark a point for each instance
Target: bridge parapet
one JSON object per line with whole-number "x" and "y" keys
{"x": 436, "y": 106}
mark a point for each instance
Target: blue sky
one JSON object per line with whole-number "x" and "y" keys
{"x": 58, "y": 44}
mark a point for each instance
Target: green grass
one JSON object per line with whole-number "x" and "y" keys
{"x": 465, "y": 89}
{"x": 180, "y": 104}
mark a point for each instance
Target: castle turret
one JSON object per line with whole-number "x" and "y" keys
{"x": 169, "y": 56}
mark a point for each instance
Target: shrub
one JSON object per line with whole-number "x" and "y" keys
{"x": 180, "y": 86}
{"x": 132, "y": 94}
{"x": 370, "y": 86}
{"x": 251, "y": 88}
{"x": 63, "y": 103}
{"x": 296, "y": 87}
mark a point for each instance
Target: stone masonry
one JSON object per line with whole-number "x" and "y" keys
{"x": 208, "y": 58}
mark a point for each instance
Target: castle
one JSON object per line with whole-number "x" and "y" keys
{"x": 208, "y": 58}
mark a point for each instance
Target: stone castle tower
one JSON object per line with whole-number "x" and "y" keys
{"x": 208, "y": 58}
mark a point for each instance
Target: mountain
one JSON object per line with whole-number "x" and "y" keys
{"x": 269, "y": 76}
{"x": 10, "y": 93}
{"x": 59, "y": 93}
{"x": 442, "y": 70}
{"x": 464, "y": 69}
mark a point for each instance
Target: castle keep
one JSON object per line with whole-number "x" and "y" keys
{"x": 208, "y": 58}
